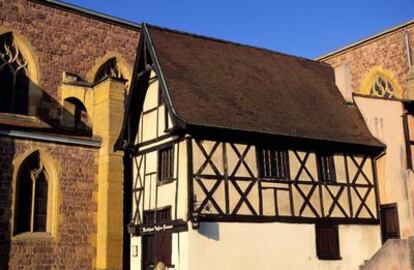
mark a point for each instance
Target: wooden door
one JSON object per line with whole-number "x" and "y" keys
{"x": 390, "y": 226}
{"x": 157, "y": 247}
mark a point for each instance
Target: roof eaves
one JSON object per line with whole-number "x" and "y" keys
{"x": 160, "y": 73}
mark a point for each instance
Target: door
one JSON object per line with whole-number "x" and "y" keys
{"x": 157, "y": 247}
{"x": 390, "y": 226}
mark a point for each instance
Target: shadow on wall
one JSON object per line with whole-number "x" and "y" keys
{"x": 7, "y": 152}
{"x": 70, "y": 118}
{"x": 51, "y": 113}
{"x": 210, "y": 230}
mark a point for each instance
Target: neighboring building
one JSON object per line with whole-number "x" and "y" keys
{"x": 244, "y": 158}
{"x": 64, "y": 72}
{"x": 376, "y": 76}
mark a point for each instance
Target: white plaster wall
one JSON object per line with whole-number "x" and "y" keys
{"x": 384, "y": 120}
{"x": 245, "y": 246}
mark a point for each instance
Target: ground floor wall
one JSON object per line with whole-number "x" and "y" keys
{"x": 264, "y": 246}
{"x": 70, "y": 240}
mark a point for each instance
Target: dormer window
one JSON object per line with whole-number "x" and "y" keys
{"x": 14, "y": 81}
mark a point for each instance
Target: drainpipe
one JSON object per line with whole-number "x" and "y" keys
{"x": 410, "y": 74}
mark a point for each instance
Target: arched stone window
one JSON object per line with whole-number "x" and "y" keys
{"x": 14, "y": 81}
{"x": 75, "y": 116}
{"x": 31, "y": 199}
{"x": 382, "y": 87}
{"x": 380, "y": 83}
{"x": 109, "y": 69}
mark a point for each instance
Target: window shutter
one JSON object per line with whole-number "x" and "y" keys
{"x": 327, "y": 242}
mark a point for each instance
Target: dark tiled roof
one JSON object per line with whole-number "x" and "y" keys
{"x": 214, "y": 83}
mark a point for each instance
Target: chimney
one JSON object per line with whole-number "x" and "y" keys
{"x": 343, "y": 81}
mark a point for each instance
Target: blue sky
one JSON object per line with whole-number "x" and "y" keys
{"x": 306, "y": 28}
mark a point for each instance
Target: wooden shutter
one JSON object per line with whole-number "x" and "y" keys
{"x": 390, "y": 227}
{"x": 327, "y": 242}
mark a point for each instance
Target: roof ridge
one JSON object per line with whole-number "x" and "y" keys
{"x": 368, "y": 38}
{"x": 233, "y": 43}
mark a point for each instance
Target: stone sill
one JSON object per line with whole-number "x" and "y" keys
{"x": 33, "y": 237}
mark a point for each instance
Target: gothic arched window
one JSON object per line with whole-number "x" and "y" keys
{"x": 31, "y": 196}
{"x": 109, "y": 70}
{"x": 14, "y": 81}
{"x": 381, "y": 87}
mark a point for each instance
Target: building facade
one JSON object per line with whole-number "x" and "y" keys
{"x": 216, "y": 185}
{"x": 64, "y": 72}
{"x": 225, "y": 162}
{"x": 376, "y": 76}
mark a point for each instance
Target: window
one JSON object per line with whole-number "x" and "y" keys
{"x": 14, "y": 82}
{"x": 31, "y": 196}
{"x": 381, "y": 87}
{"x": 327, "y": 242}
{"x": 390, "y": 226}
{"x": 273, "y": 164}
{"x": 326, "y": 168}
{"x": 109, "y": 70}
{"x": 166, "y": 164}
{"x": 158, "y": 247}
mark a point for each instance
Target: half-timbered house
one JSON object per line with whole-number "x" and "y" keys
{"x": 244, "y": 158}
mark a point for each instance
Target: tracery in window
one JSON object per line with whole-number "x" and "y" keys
{"x": 31, "y": 196}
{"x": 14, "y": 81}
{"x": 109, "y": 70}
{"x": 381, "y": 87}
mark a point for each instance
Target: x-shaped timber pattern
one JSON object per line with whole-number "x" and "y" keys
{"x": 308, "y": 197}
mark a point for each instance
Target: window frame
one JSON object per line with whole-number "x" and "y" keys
{"x": 276, "y": 173}
{"x": 324, "y": 176}
{"x": 163, "y": 176}
{"x": 323, "y": 234}
{"x": 52, "y": 173}
{"x": 18, "y": 66}
{"x": 34, "y": 181}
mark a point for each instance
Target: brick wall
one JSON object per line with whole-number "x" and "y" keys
{"x": 64, "y": 41}
{"x": 61, "y": 41}
{"x": 388, "y": 51}
{"x": 74, "y": 246}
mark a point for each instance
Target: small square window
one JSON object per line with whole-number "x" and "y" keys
{"x": 326, "y": 168}
{"x": 273, "y": 164}
{"x": 166, "y": 164}
{"x": 327, "y": 242}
